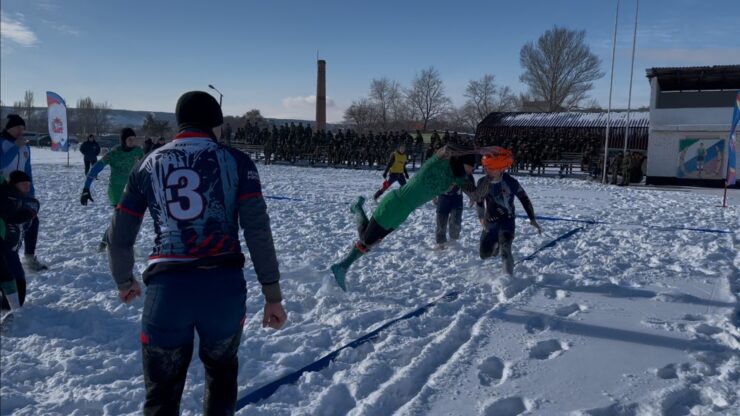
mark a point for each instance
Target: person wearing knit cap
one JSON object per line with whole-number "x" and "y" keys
{"x": 15, "y": 155}
{"x": 199, "y": 193}
{"x": 90, "y": 149}
{"x": 495, "y": 194}
{"x": 451, "y": 165}
{"x": 17, "y": 211}
{"x": 121, "y": 160}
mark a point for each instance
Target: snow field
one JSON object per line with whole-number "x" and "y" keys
{"x": 618, "y": 319}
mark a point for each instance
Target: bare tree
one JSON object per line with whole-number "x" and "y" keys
{"x": 480, "y": 95}
{"x": 485, "y": 97}
{"x": 467, "y": 117}
{"x": 92, "y": 117}
{"x": 155, "y": 128}
{"x": 462, "y": 119}
{"x": 387, "y": 95}
{"x": 560, "y": 68}
{"x": 28, "y": 109}
{"x": 363, "y": 113}
{"x": 24, "y": 108}
{"x": 84, "y": 116}
{"x": 404, "y": 115}
{"x": 17, "y": 108}
{"x": 254, "y": 117}
{"x": 427, "y": 95}
{"x": 101, "y": 112}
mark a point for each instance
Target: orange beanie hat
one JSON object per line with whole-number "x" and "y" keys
{"x": 499, "y": 160}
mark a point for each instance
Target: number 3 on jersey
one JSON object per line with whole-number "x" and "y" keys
{"x": 184, "y": 202}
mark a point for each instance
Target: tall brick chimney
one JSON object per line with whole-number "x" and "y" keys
{"x": 321, "y": 96}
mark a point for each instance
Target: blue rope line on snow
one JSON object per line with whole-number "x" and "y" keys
{"x": 267, "y": 390}
{"x": 547, "y": 218}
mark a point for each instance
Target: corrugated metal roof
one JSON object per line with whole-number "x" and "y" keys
{"x": 653, "y": 72}
{"x": 697, "y": 78}
{"x": 618, "y": 119}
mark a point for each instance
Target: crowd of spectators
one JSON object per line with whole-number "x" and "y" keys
{"x": 534, "y": 148}
{"x": 345, "y": 147}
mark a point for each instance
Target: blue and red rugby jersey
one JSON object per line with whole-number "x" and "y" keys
{"x": 192, "y": 187}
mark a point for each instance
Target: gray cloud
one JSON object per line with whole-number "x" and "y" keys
{"x": 304, "y": 102}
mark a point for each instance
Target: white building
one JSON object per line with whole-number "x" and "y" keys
{"x": 690, "y": 116}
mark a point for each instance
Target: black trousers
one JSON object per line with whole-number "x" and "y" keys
{"x": 88, "y": 165}
{"x": 15, "y": 271}
{"x": 31, "y": 237}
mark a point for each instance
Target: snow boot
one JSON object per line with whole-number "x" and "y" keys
{"x": 380, "y": 191}
{"x": 13, "y": 301}
{"x": 357, "y": 206}
{"x": 340, "y": 269}
{"x": 10, "y": 291}
{"x": 34, "y": 264}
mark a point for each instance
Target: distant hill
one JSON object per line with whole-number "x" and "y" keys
{"x": 135, "y": 119}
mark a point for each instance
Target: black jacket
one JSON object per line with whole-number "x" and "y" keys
{"x": 90, "y": 149}
{"x": 15, "y": 210}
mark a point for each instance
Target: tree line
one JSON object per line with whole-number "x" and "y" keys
{"x": 88, "y": 117}
{"x": 558, "y": 69}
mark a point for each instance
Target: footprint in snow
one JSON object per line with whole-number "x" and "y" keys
{"x": 568, "y": 310}
{"x": 694, "y": 317}
{"x": 552, "y": 293}
{"x": 491, "y": 371}
{"x": 535, "y": 324}
{"x": 614, "y": 409}
{"x": 667, "y": 372}
{"x": 545, "y": 350}
{"x": 705, "y": 329}
{"x": 681, "y": 401}
{"x": 509, "y": 406}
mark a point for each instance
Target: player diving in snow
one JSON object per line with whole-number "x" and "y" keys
{"x": 451, "y": 165}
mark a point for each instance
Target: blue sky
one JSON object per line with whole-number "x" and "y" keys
{"x": 142, "y": 55}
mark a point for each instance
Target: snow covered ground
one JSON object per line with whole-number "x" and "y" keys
{"x": 637, "y": 315}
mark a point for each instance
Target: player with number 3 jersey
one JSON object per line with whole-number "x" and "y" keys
{"x": 198, "y": 193}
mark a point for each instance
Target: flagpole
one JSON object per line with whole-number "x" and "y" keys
{"x": 632, "y": 71}
{"x": 611, "y": 86}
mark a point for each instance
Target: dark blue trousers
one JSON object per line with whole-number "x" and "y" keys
{"x": 178, "y": 303}
{"x": 449, "y": 214}
{"x": 497, "y": 239}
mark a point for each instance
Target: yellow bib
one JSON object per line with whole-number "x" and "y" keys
{"x": 399, "y": 162}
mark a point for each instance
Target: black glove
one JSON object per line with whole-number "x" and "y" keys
{"x": 385, "y": 175}
{"x": 86, "y": 196}
{"x": 407, "y": 175}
